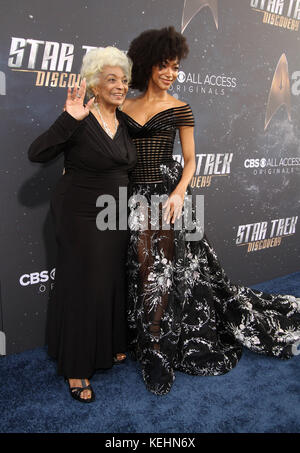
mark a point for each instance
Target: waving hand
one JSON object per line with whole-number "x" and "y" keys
{"x": 74, "y": 103}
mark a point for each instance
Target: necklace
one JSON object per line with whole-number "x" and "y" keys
{"x": 106, "y": 128}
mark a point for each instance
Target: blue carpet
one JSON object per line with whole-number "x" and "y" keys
{"x": 260, "y": 395}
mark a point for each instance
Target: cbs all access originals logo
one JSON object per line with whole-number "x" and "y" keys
{"x": 262, "y": 235}
{"x": 41, "y": 280}
{"x": 50, "y": 61}
{"x": 203, "y": 84}
{"x": 208, "y": 166}
{"x": 284, "y": 14}
{"x": 273, "y": 165}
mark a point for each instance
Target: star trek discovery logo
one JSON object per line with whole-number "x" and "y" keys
{"x": 51, "y": 62}
{"x": 279, "y": 13}
{"x": 261, "y": 235}
{"x": 208, "y": 166}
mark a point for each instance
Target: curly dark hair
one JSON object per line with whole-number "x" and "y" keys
{"x": 151, "y": 48}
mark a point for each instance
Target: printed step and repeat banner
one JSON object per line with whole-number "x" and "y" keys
{"x": 242, "y": 80}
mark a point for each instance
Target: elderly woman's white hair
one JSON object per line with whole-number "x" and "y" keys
{"x": 95, "y": 60}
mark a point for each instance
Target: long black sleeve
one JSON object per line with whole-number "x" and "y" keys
{"x": 52, "y": 142}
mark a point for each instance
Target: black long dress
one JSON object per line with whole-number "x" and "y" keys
{"x": 86, "y": 323}
{"x": 184, "y": 313}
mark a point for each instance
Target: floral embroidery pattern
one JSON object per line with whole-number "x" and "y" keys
{"x": 183, "y": 311}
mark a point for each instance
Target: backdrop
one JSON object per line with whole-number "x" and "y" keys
{"x": 242, "y": 80}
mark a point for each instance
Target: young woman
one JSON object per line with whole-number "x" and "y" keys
{"x": 184, "y": 313}
{"x": 86, "y": 319}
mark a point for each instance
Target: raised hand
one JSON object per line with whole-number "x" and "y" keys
{"x": 74, "y": 103}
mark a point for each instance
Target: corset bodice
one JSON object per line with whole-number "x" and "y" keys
{"x": 154, "y": 141}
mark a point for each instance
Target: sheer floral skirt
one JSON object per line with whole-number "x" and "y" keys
{"x": 183, "y": 311}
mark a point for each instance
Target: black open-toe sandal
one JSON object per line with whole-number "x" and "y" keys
{"x": 117, "y": 361}
{"x": 76, "y": 392}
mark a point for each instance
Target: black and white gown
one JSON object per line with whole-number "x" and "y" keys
{"x": 183, "y": 311}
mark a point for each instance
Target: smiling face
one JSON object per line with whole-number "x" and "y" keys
{"x": 165, "y": 74}
{"x": 112, "y": 87}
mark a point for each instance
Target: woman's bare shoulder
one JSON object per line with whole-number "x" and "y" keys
{"x": 176, "y": 102}
{"x": 129, "y": 103}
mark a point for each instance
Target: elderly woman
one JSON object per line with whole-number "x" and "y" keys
{"x": 86, "y": 327}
